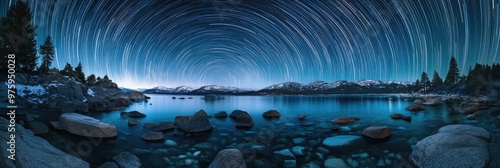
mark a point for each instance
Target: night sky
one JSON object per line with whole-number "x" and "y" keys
{"x": 250, "y": 43}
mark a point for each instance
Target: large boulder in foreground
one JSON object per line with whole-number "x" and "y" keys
{"x": 453, "y": 146}
{"x": 377, "y": 132}
{"x": 230, "y": 158}
{"x": 127, "y": 160}
{"x": 194, "y": 124}
{"x": 86, "y": 126}
{"x": 33, "y": 151}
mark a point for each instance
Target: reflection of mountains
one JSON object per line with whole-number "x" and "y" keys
{"x": 317, "y": 87}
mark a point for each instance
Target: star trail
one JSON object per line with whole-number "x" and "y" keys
{"x": 251, "y": 43}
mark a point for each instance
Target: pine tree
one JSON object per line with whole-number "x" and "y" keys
{"x": 79, "y": 72}
{"x": 105, "y": 77}
{"x": 47, "y": 51}
{"x": 17, "y": 36}
{"x": 453, "y": 73}
{"x": 436, "y": 80}
{"x": 417, "y": 85}
{"x": 91, "y": 80}
{"x": 424, "y": 80}
{"x": 68, "y": 70}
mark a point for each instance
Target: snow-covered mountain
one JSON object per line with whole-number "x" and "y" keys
{"x": 208, "y": 89}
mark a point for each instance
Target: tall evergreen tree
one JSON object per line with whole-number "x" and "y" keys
{"x": 91, "y": 80}
{"x": 79, "y": 72}
{"x": 436, "y": 80}
{"x": 17, "y": 36}
{"x": 453, "y": 73}
{"x": 424, "y": 80}
{"x": 68, "y": 70}
{"x": 47, "y": 51}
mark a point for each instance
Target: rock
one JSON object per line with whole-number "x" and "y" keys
{"x": 38, "y": 127}
{"x": 345, "y": 128}
{"x": 468, "y": 110}
{"x": 150, "y": 125}
{"x": 397, "y": 116}
{"x": 86, "y": 126}
{"x": 236, "y": 113}
{"x": 152, "y": 136}
{"x": 212, "y": 97}
{"x": 407, "y": 118}
{"x": 471, "y": 116}
{"x": 302, "y": 116}
{"x": 196, "y": 123}
{"x": 244, "y": 120}
{"x": 127, "y": 160}
{"x": 33, "y": 151}
{"x": 466, "y": 130}
{"x": 271, "y": 114}
{"x": 228, "y": 158}
{"x": 355, "y": 117}
{"x": 56, "y": 125}
{"x": 108, "y": 165}
{"x": 169, "y": 142}
{"x": 310, "y": 165}
{"x": 290, "y": 164}
{"x": 446, "y": 149}
{"x": 73, "y": 106}
{"x": 335, "y": 163}
{"x": 433, "y": 102}
{"x": 377, "y": 132}
{"x": 298, "y": 150}
{"x": 343, "y": 120}
{"x": 221, "y": 114}
{"x": 284, "y": 154}
{"x": 340, "y": 140}
{"x": 418, "y": 101}
{"x": 133, "y": 114}
{"x": 415, "y": 107}
{"x": 298, "y": 141}
{"x": 164, "y": 126}
{"x": 133, "y": 122}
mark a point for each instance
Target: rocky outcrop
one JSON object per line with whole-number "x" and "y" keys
{"x": 127, "y": 160}
{"x": 271, "y": 114}
{"x": 453, "y": 146}
{"x": 33, "y": 151}
{"x": 377, "y": 132}
{"x": 194, "y": 124}
{"x": 228, "y": 158}
{"x": 86, "y": 126}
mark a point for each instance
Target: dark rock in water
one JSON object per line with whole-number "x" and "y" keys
{"x": 236, "y": 113}
{"x": 335, "y": 129}
{"x": 271, "y": 114}
{"x": 212, "y": 97}
{"x": 433, "y": 102}
{"x": 471, "y": 116}
{"x": 220, "y": 114}
{"x": 38, "y": 127}
{"x": 343, "y": 120}
{"x": 108, "y": 165}
{"x": 418, "y": 101}
{"x": 180, "y": 119}
{"x": 127, "y": 160}
{"x": 407, "y": 118}
{"x": 152, "y": 136}
{"x": 33, "y": 151}
{"x": 174, "y": 97}
{"x": 355, "y": 117}
{"x": 468, "y": 110}
{"x": 377, "y": 132}
{"x": 244, "y": 120}
{"x": 453, "y": 146}
{"x": 302, "y": 116}
{"x": 150, "y": 125}
{"x": 86, "y": 126}
{"x": 133, "y": 122}
{"x": 397, "y": 116}
{"x": 182, "y": 98}
{"x": 164, "y": 126}
{"x": 133, "y": 114}
{"x": 415, "y": 107}
{"x": 228, "y": 158}
{"x": 196, "y": 123}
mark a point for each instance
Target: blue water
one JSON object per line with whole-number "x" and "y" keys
{"x": 266, "y": 136}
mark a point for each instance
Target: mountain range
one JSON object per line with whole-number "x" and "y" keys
{"x": 316, "y": 87}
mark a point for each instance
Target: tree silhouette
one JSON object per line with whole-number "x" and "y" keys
{"x": 47, "y": 51}
{"x": 453, "y": 73}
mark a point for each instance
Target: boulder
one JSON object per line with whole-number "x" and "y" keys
{"x": 244, "y": 120}
{"x": 196, "y": 123}
{"x": 335, "y": 163}
{"x": 471, "y": 116}
{"x": 164, "y": 126}
{"x": 33, "y": 151}
{"x": 228, "y": 158}
{"x": 418, "y": 101}
{"x": 343, "y": 120}
{"x": 73, "y": 106}
{"x": 284, "y": 154}
{"x": 340, "y": 140}
{"x": 133, "y": 122}
{"x": 152, "y": 136}
{"x": 397, "y": 116}
{"x": 433, "y": 102}
{"x": 355, "y": 117}
{"x": 133, "y": 114}
{"x": 415, "y": 107}
{"x": 38, "y": 127}
{"x": 86, "y": 126}
{"x": 461, "y": 129}
{"x": 468, "y": 110}
{"x": 220, "y": 114}
{"x": 127, "y": 160}
{"x": 180, "y": 119}
{"x": 377, "y": 132}
{"x": 407, "y": 118}
{"x": 271, "y": 114}
{"x": 56, "y": 125}
{"x": 150, "y": 125}
{"x": 236, "y": 113}
{"x": 108, "y": 165}
{"x": 302, "y": 116}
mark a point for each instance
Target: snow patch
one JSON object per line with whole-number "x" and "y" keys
{"x": 90, "y": 92}
{"x": 24, "y": 90}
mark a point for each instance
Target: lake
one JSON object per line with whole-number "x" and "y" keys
{"x": 259, "y": 143}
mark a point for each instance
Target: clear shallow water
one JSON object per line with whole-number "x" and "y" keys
{"x": 266, "y": 136}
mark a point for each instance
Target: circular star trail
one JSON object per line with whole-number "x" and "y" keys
{"x": 250, "y": 43}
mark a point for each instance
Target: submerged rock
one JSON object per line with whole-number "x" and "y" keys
{"x": 335, "y": 163}
{"x": 453, "y": 146}
{"x": 302, "y": 116}
{"x": 127, "y": 160}
{"x": 220, "y": 114}
{"x": 228, "y": 158}
{"x": 196, "y": 123}
{"x": 415, "y": 107}
{"x": 132, "y": 122}
{"x": 377, "y": 132}
{"x": 152, "y": 136}
{"x": 343, "y": 120}
{"x": 340, "y": 140}
{"x": 86, "y": 126}
{"x": 133, "y": 114}
{"x": 471, "y": 116}
{"x": 271, "y": 114}
{"x": 244, "y": 120}
{"x": 284, "y": 154}
{"x": 397, "y": 116}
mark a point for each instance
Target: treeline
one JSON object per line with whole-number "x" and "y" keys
{"x": 17, "y": 36}
{"x": 478, "y": 79}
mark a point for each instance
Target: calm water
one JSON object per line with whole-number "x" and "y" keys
{"x": 266, "y": 136}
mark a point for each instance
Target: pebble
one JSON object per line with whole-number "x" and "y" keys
{"x": 380, "y": 163}
{"x": 182, "y": 156}
{"x": 196, "y": 153}
{"x": 188, "y": 162}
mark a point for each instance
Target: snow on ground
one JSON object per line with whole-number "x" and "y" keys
{"x": 55, "y": 84}
{"x": 23, "y": 90}
{"x": 90, "y": 92}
